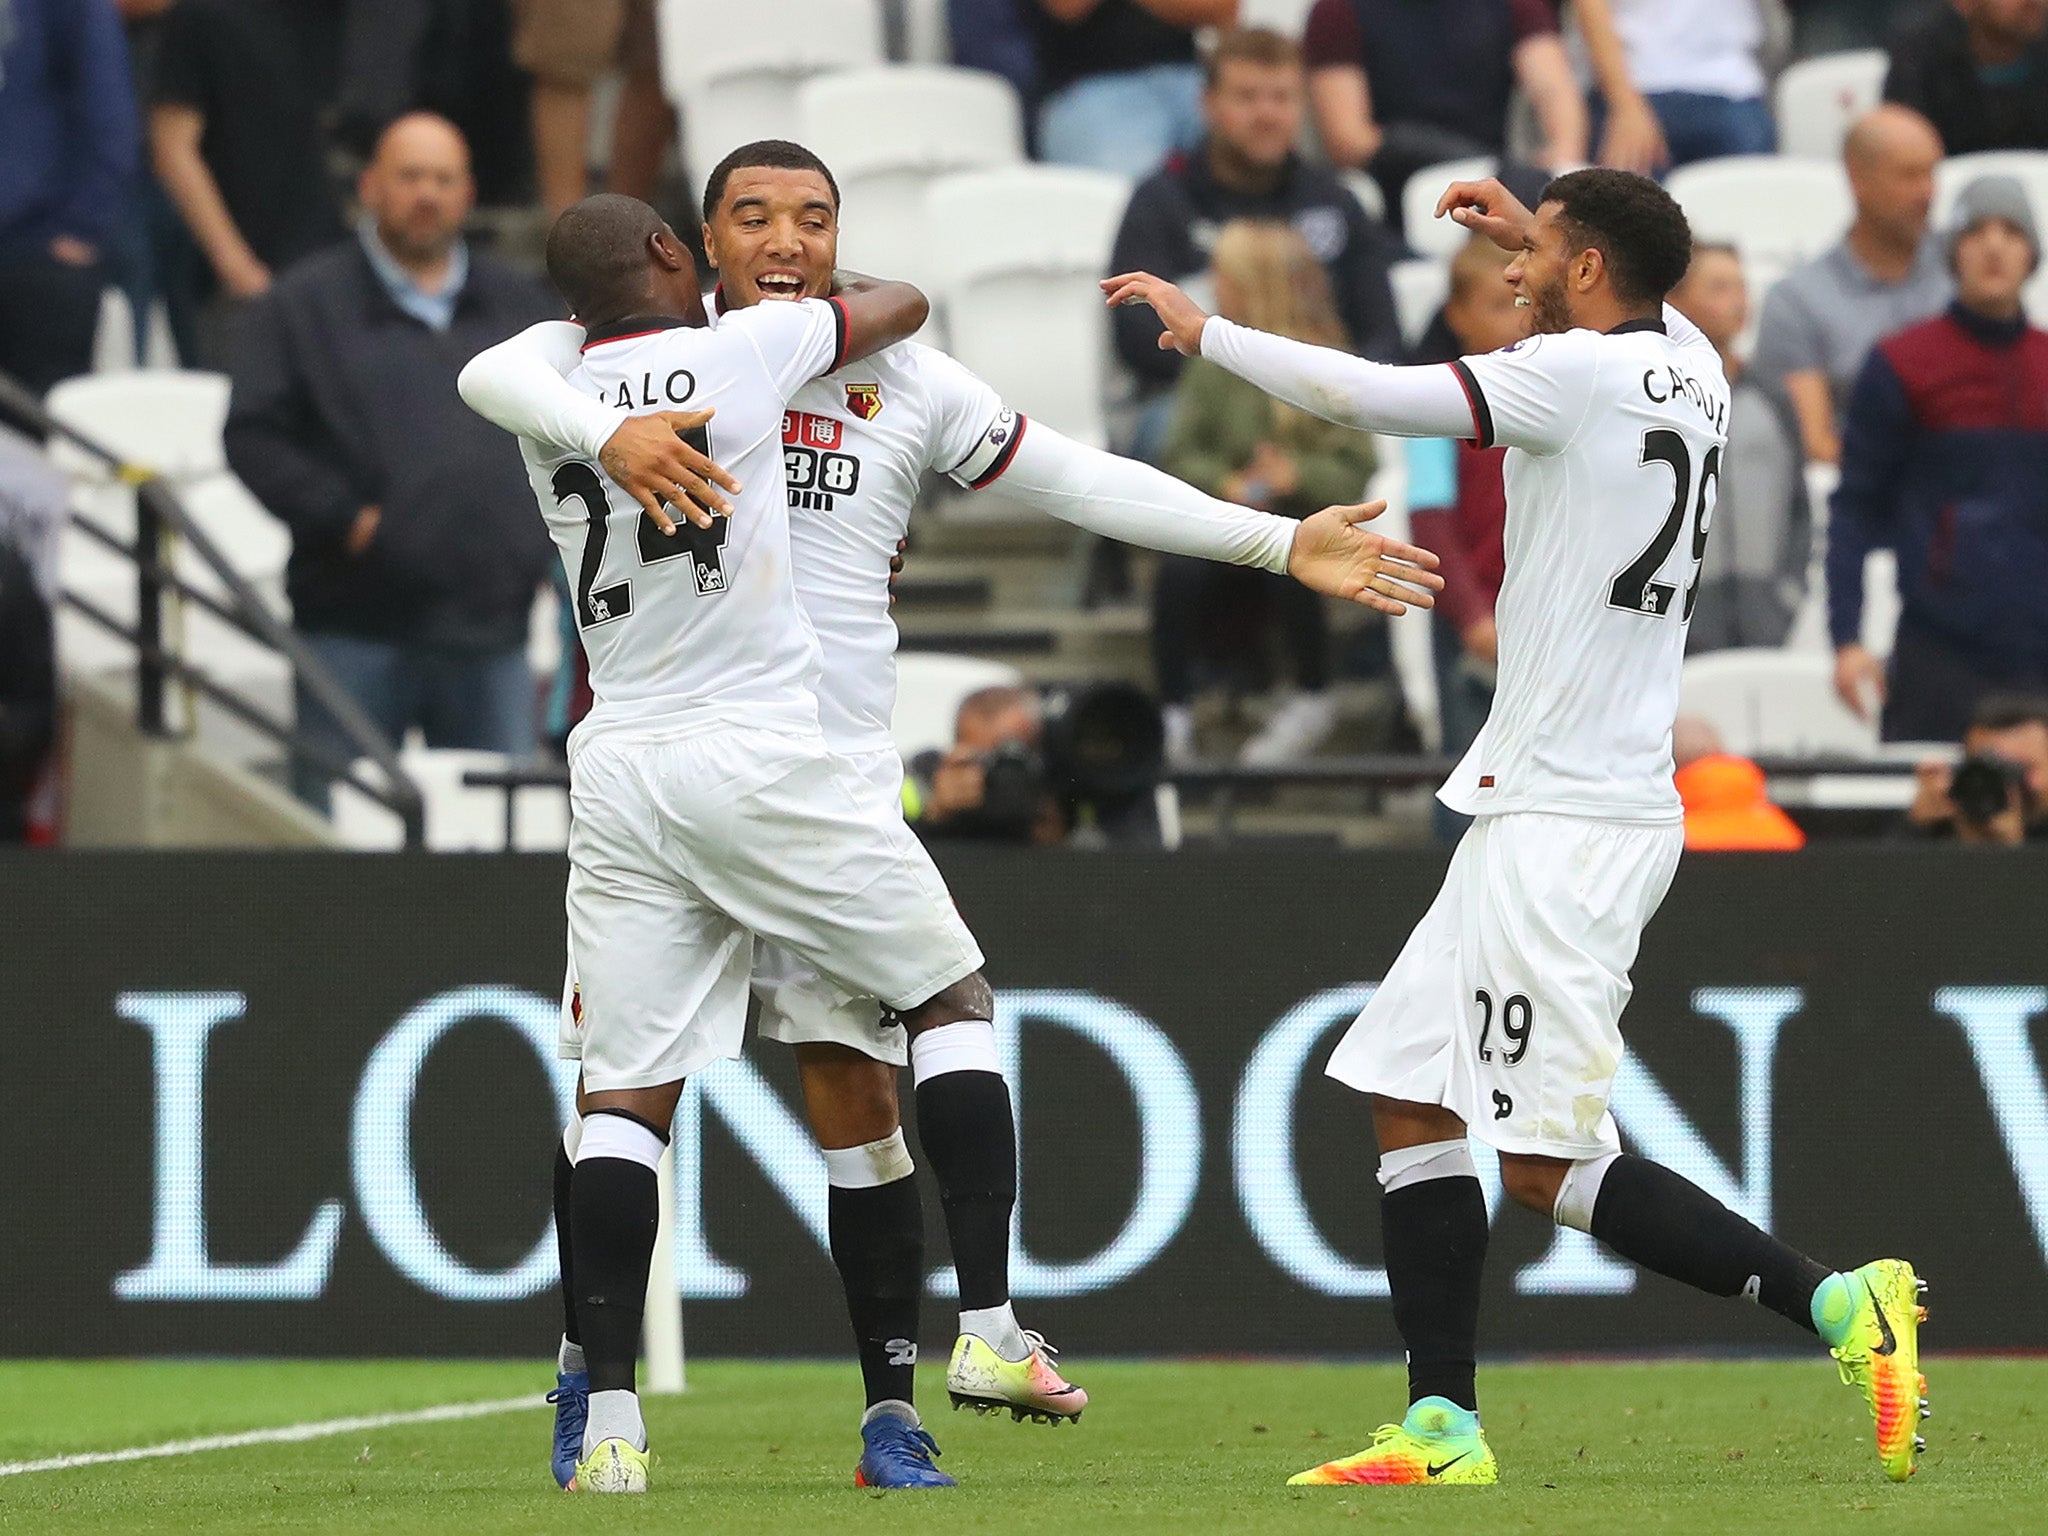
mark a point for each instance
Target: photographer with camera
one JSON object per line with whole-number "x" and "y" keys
{"x": 1997, "y": 796}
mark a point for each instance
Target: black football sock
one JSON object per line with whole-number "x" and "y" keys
{"x": 1435, "y": 1236}
{"x": 970, "y": 1137}
{"x": 565, "y": 1173}
{"x": 877, "y": 1236}
{"x": 1669, "y": 1225}
{"x": 614, "y": 1206}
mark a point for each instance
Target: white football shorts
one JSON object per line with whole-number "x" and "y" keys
{"x": 683, "y": 849}
{"x": 799, "y": 1006}
{"x": 1505, "y": 1004}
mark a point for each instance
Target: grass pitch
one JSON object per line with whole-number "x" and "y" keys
{"x": 1633, "y": 1450}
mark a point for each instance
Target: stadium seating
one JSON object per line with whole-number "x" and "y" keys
{"x": 1408, "y": 635}
{"x": 1774, "y": 703}
{"x": 1817, "y": 99}
{"x": 927, "y": 33}
{"x": 734, "y": 84}
{"x": 1427, "y": 234}
{"x": 1777, "y": 210}
{"x": 1420, "y": 289}
{"x": 459, "y": 819}
{"x": 888, "y": 133}
{"x": 1366, "y": 191}
{"x": 929, "y": 688}
{"x": 1019, "y": 252}
{"x": 1286, "y": 16}
{"x": 166, "y": 420}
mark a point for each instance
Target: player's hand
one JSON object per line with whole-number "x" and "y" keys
{"x": 1634, "y": 140}
{"x": 1181, "y": 315}
{"x": 649, "y": 459}
{"x": 1336, "y": 557}
{"x": 896, "y": 568}
{"x": 1490, "y": 209}
{"x": 1859, "y": 680}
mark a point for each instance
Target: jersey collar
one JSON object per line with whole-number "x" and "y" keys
{"x": 630, "y": 327}
{"x": 1647, "y": 323}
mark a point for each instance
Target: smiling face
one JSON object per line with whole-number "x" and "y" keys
{"x": 1542, "y": 273}
{"x": 774, "y": 235}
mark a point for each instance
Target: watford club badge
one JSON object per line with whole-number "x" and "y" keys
{"x": 864, "y": 400}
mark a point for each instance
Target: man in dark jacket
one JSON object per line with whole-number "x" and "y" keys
{"x": 68, "y": 147}
{"x": 1977, "y": 70}
{"x": 415, "y": 550}
{"x": 1246, "y": 168}
{"x": 1945, "y": 460}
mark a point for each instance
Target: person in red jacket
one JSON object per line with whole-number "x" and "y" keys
{"x": 1458, "y": 507}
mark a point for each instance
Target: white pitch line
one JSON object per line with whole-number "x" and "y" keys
{"x": 283, "y": 1434}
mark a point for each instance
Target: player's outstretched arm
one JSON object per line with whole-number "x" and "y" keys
{"x": 1136, "y": 504}
{"x": 879, "y": 313}
{"x": 1374, "y": 397}
{"x": 520, "y": 385}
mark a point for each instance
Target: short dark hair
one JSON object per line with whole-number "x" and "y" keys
{"x": 1636, "y": 226}
{"x": 774, "y": 155}
{"x": 2008, "y": 711}
{"x": 597, "y": 254}
{"x": 1249, "y": 45}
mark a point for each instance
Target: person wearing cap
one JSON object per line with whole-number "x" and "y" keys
{"x": 1726, "y": 807}
{"x": 1945, "y": 462}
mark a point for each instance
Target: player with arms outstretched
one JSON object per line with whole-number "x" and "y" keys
{"x": 855, "y": 446}
{"x": 1501, "y": 1016}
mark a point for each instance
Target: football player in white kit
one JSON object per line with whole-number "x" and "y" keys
{"x": 1501, "y": 1016}
{"x": 855, "y": 447}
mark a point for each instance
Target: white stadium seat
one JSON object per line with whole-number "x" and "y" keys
{"x": 1408, "y": 635}
{"x": 1427, "y": 234}
{"x": 734, "y": 81}
{"x": 930, "y": 686}
{"x": 1774, "y": 703}
{"x": 459, "y": 819}
{"x": 2030, "y": 167}
{"x": 1284, "y": 16}
{"x": 1420, "y": 288}
{"x": 888, "y": 133}
{"x": 1777, "y": 210}
{"x": 1817, "y": 99}
{"x": 1018, "y": 253}
{"x": 167, "y": 420}
{"x": 1366, "y": 192}
{"x": 927, "y": 33}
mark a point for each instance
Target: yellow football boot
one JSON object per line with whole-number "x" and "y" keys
{"x": 1439, "y": 1442}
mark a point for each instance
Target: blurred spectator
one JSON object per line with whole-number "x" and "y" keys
{"x": 1681, "y": 80}
{"x": 1000, "y": 37}
{"x": 1945, "y": 461}
{"x": 1246, "y": 168}
{"x": 1821, "y": 321}
{"x": 415, "y": 553}
{"x": 1754, "y": 574}
{"x": 1978, "y": 70}
{"x": 67, "y": 164}
{"x": 1396, "y": 86}
{"x": 1121, "y": 85}
{"x": 568, "y": 46}
{"x": 1727, "y": 806}
{"x": 991, "y": 782}
{"x": 235, "y": 135}
{"x": 28, "y": 690}
{"x": 1457, "y": 506}
{"x": 1232, "y": 441}
{"x": 1997, "y": 797}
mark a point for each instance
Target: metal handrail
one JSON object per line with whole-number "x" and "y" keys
{"x": 157, "y": 509}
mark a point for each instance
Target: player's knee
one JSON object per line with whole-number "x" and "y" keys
{"x": 850, "y": 1097}
{"x": 1533, "y": 1181}
{"x": 971, "y": 997}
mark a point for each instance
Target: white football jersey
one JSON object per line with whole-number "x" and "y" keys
{"x": 1614, "y": 467}
{"x": 702, "y": 625}
{"x": 855, "y": 446}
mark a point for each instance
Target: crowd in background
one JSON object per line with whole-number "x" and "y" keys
{"x": 207, "y": 158}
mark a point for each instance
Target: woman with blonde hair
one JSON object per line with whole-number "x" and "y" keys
{"x": 1230, "y": 439}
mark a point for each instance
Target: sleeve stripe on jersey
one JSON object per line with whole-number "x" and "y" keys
{"x": 1482, "y": 414}
{"x": 995, "y": 471}
{"x": 839, "y": 345}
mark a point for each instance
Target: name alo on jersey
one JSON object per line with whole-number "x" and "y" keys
{"x": 676, "y": 389}
{"x": 1674, "y": 385}
{"x": 816, "y": 471}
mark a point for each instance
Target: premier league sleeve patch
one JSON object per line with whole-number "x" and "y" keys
{"x": 992, "y": 451}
